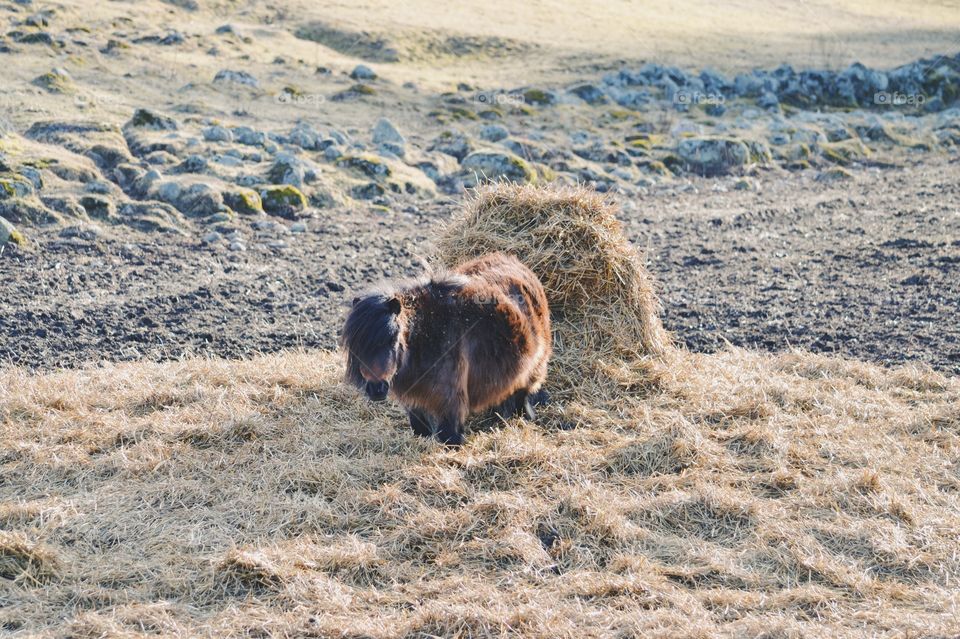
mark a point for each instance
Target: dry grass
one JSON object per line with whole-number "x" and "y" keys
{"x": 736, "y": 494}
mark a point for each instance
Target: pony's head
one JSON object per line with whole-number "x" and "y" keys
{"x": 372, "y": 338}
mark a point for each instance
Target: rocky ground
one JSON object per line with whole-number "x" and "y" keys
{"x": 174, "y": 191}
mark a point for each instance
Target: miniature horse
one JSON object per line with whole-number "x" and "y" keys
{"x": 467, "y": 340}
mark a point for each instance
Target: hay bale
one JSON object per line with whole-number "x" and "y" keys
{"x": 601, "y": 295}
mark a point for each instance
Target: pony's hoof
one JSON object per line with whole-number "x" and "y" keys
{"x": 453, "y": 440}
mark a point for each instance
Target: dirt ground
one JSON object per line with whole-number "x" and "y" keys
{"x": 868, "y": 269}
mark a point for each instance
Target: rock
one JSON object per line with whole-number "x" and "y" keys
{"x": 55, "y": 81}
{"x": 590, "y": 93}
{"x": 493, "y": 133}
{"x": 244, "y": 201}
{"x": 371, "y": 166}
{"x": 333, "y": 153}
{"x": 388, "y": 138}
{"x": 451, "y": 143}
{"x": 217, "y": 133}
{"x": 236, "y": 77}
{"x": 539, "y": 97}
{"x": 145, "y": 118}
{"x": 287, "y": 169}
{"x": 368, "y": 191}
{"x": 283, "y": 200}
{"x": 845, "y": 152}
{"x": 713, "y": 155}
{"x": 15, "y": 187}
{"x": 768, "y": 100}
{"x": 835, "y": 174}
{"x": 9, "y": 233}
{"x": 363, "y": 72}
{"x": 249, "y": 137}
{"x": 298, "y": 227}
{"x": 98, "y": 207}
{"x": 237, "y": 245}
{"x": 213, "y": 237}
{"x": 304, "y": 136}
{"x": 193, "y": 164}
{"x": 496, "y": 165}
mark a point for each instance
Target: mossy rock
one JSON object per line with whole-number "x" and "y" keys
{"x": 15, "y": 186}
{"x": 284, "y": 200}
{"x": 97, "y": 207}
{"x": 146, "y": 118}
{"x": 54, "y": 82}
{"x": 461, "y": 113}
{"x": 244, "y": 201}
{"x": 845, "y": 152}
{"x": 9, "y": 233}
{"x": 496, "y": 165}
{"x": 835, "y": 174}
{"x": 538, "y": 97}
{"x": 370, "y": 165}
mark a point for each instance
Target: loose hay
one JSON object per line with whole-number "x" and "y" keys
{"x": 746, "y": 495}
{"x": 602, "y": 299}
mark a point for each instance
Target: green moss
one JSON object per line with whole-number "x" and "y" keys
{"x": 537, "y": 96}
{"x": 54, "y": 83}
{"x": 493, "y": 113}
{"x": 17, "y": 238}
{"x": 244, "y": 201}
{"x": 283, "y": 197}
{"x": 845, "y": 152}
{"x": 363, "y": 89}
{"x": 149, "y": 119}
{"x": 622, "y": 114}
{"x": 522, "y": 109}
{"x": 14, "y": 186}
{"x": 461, "y": 113}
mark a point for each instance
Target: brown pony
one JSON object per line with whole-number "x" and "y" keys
{"x": 461, "y": 342}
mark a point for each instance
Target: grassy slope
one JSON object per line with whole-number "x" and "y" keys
{"x": 738, "y": 493}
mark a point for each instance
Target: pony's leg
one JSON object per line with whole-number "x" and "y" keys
{"x": 450, "y": 431}
{"x": 420, "y": 423}
{"x": 511, "y": 406}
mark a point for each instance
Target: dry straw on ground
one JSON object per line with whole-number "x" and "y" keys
{"x": 742, "y": 494}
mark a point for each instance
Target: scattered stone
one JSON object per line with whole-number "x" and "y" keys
{"x": 493, "y": 133}
{"x": 590, "y": 93}
{"x": 236, "y": 77}
{"x": 495, "y": 165}
{"x": 451, "y": 143}
{"x": 368, "y": 191}
{"x": 15, "y": 187}
{"x": 287, "y": 169}
{"x": 145, "y": 118}
{"x": 713, "y": 155}
{"x": 388, "y": 138}
{"x": 283, "y": 200}
{"x": 217, "y": 133}
{"x": 9, "y": 233}
{"x": 363, "y": 72}
{"x": 56, "y": 81}
{"x": 98, "y": 207}
{"x": 249, "y": 137}
{"x": 244, "y": 201}
{"x": 835, "y": 174}
{"x": 298, "y": 227}
{"x": 371, "y": 166}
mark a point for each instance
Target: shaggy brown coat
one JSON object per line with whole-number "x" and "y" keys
{"x": 471, "y": 339}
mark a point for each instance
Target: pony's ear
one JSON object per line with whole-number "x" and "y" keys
{"x": 354, "y": 302}
{"x": 393, "y": 304}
